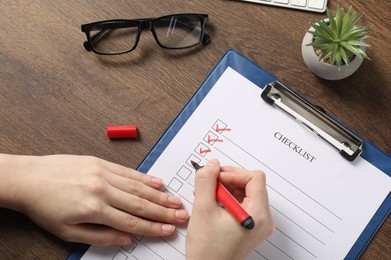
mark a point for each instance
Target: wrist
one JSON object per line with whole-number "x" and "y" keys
{"x": 214, "y": 253}
{"x": 12, "y": 172}
{"x": 213, "y": 256}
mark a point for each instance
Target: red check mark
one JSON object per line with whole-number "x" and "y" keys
{"x": 220, "y": 130}
{"x": 213, "y": 140}
{"x": 204, "y": 151}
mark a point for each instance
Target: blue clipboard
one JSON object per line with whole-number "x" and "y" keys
{"x": 261, "y": 78}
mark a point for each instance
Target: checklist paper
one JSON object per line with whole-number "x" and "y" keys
{"x": 320, "y": 201}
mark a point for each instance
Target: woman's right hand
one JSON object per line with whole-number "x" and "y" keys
{"x": 215, "y": 234}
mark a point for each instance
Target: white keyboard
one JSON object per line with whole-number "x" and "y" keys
{"x": 306, "y": 5}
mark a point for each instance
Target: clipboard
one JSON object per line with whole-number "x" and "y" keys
{"x": 346, "y": 142}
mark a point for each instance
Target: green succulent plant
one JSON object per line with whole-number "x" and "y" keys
{"x": 339, "y": 39}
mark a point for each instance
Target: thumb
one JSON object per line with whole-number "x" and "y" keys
{"x": 205, "y": 183}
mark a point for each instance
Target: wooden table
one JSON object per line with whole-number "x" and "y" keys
{"x": 58, "y": 98}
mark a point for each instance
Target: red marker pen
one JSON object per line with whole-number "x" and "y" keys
{"x": 230, "y": 203}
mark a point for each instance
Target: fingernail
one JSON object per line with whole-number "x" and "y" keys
{"x": 181, "y": 214}
{"x": 168, "y": 228}
{"x": 174, "y": 200}
{"x": 157, "y": 181}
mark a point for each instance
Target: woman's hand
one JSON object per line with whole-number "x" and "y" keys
{"x": 86, "y": 199}
{"x": 212, "y": 232}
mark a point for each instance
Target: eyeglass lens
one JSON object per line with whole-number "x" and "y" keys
{"x": 114, "y": 39}
{"x": 170, "y": 32}
{"x": 178, "y": 32}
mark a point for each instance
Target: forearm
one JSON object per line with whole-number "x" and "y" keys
{"x": 12, "y": 170}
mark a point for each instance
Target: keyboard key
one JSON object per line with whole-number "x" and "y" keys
{"x": 281, "y": 1}
{"x": 316, "y": 4}
{"x": 299, "y": 2}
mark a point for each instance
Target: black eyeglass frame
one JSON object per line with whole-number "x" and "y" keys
{"x": 142, "y": 24}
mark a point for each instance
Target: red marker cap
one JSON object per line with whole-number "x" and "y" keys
{"x": 128, "y": 131}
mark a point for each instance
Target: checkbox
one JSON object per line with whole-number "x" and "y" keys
{"x": 132, "y": 246}
{"x": 175, "y": 184}
{"x": 202, "y": 149}
{"x": 184, "y": 172}
{"x": 193, "y": 158}
{"x": 220, "y": 127}
{"x": 211, "y": 138}
{"x": 120, "y": 256}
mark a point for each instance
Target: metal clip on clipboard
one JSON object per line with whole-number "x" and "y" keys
{"x": 314, "y": 118}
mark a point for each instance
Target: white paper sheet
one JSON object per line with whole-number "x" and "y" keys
{"x": 320, "y": 201}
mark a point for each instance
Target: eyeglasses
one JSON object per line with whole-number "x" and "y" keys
{"x": 177, "y": 31}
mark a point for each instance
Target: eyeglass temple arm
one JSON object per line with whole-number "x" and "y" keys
{"x": 206, "y": 39}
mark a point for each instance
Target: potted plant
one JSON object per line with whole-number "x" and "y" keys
{"x": 334, "y": 48}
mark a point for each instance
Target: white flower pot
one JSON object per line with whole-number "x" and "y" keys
{"x": 323, "y": 69}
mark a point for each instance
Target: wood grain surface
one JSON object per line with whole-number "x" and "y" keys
{"x": 58, "y": 98}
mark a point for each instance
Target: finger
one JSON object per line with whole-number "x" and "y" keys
{"x": 132, "y": 224}
{"x": 205, "y": 184}
{"x": 257, "y": 202}
{"x": 238, "y": 178}
{"x": 96, "y": 235}
{"x": 126, "y": 172}
{"x": 253, "y": 183}
{"x": 235, "y": 182}
{"x": 238, "y": 193}
{"x": 228, "y": 168}
{"x": 141, "y": 190}
{"x": 257, "y": 185}
{"x": 144, "y": 208}
{"x": 256, "y": 193}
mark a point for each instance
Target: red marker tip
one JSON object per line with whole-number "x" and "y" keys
{"x": 192, "y": 162}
